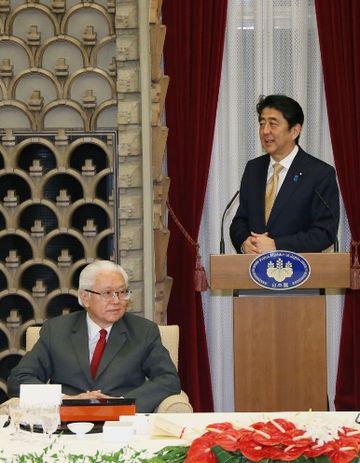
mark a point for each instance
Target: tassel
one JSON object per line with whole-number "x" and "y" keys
{"x": 355, "y": 266}
{"x": 200, "y": 279}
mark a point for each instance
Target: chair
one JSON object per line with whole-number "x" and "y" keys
{"x": 31, "y": 336}
{"x": 177, "y": 403}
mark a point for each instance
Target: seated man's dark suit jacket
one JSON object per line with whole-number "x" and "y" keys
{"x": 305, "y": 215}
{"x": 135, "y": 364}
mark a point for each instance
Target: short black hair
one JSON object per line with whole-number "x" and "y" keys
{"x": 289, "y": 108}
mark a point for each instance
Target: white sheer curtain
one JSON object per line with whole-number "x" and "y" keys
{"x": 271, "y": 47}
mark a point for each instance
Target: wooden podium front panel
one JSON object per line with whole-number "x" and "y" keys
{"x": 328, "y": 270}
{"x": 280, "y": 353}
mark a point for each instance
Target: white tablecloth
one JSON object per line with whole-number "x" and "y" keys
{"x": 144, "y": 439}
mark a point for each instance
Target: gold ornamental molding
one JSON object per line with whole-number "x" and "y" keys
{"x": 52, "y": 42}
{"x": 40, "y": 8}
{"x": 79, "y": 10}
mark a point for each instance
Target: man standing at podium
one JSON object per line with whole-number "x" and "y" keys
{"x": 289, "y": 200}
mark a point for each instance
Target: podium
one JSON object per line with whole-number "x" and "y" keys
{"x": 280, "y": 360}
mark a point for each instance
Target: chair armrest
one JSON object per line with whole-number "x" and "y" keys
{"x": 177, "y": 403}
{"x": 4, "y": 407}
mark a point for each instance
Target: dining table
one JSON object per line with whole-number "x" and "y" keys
{"x": 146, "y": 433}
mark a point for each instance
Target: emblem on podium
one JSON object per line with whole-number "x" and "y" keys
{"x": 279, "y": 270}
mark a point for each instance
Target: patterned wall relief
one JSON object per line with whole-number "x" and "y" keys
{"x": 57, "y": 63}
{"x": 159, "y": 86}
{"x": 71, "y": 157}
{"x": 56, "y": 214}
{"x": 59, "y": 167}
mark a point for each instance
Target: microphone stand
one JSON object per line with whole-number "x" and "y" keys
{"x": 222, "y": 242}
{"x": 319, "y": 195}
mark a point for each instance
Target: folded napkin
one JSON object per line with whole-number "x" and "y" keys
{"x": 164, "y": 427}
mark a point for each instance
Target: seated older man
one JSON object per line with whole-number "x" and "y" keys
{"x": 133, "y": 362}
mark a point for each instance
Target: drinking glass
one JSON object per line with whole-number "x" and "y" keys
{"x": 16, "y": 415}
{"x": 31, "y": 412}
{"x": 50, "y": 419}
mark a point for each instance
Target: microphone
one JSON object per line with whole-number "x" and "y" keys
{"x": 222, "y": 242}
{"x": 325, "y": 203}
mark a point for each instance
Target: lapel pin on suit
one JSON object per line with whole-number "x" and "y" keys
{"x": 297, "y": 177}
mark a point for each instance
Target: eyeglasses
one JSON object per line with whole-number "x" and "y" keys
{"x": 108, "y": 295}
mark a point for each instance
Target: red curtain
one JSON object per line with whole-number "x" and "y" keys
{"x": 339, "y": 35}
{"x": 192, "y": 58}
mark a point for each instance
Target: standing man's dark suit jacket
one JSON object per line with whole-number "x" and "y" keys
{"x": 299, "y": 220}
{"x": 133, "y": 353}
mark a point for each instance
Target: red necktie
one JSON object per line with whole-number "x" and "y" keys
{"x": 99, "y": 349}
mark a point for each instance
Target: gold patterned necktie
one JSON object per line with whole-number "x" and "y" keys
{"x": 271, "y": 189}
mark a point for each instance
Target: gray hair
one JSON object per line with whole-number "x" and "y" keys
{"x": 89, "y": 274}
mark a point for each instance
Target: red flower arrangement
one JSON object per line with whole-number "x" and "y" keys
{"x": 277, "y": 439}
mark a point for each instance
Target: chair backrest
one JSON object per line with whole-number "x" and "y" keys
{"x": 169, "y": 337}
{"x": 32, "y": 335}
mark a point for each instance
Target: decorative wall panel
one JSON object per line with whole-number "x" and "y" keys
{"x": 159, "y": 86}
{"x": 57, "y": 213}
{"x": 59, "y": 174}
{"x": 57, "y": 62}
{"x": 71, "y": 157}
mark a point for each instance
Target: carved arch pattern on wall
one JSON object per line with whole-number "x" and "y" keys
{"x": 45, "y": 78}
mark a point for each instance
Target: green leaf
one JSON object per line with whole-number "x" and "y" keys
{"x": 321, "y": 459}
{"x": 172, "y": 454}
{"x": 223, "y": 456}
